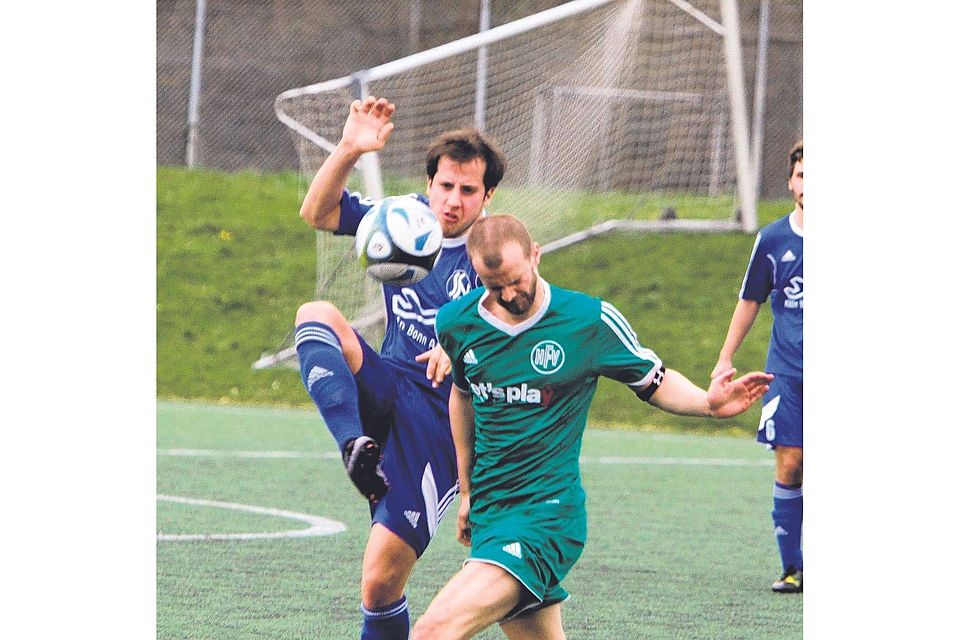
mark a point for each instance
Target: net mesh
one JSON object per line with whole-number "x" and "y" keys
{"x": 616, "y": 113}
{"x": 252, "y": 51}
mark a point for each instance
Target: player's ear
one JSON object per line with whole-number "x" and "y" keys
{"x": 535, "y": 253}
{"x": 488, "y": 195}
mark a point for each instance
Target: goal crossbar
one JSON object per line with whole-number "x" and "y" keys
{"x": 449, "y": 49}
{"x": 394, "y": 67}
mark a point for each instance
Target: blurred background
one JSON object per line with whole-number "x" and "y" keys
{"x": 255, "y": 49}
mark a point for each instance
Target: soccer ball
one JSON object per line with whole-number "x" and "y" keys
{"x": 398, "y": 240}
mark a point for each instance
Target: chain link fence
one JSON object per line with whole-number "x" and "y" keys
{"x": 255, "y": 49}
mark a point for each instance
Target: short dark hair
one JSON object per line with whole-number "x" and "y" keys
{"x": 796, "y": 155}
{"x": 463, "y": 145}
{"x": 490, "y": 234}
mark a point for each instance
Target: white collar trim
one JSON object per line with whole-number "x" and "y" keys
{"x": 797, "y": 229}
{"x": 515, "y": 329}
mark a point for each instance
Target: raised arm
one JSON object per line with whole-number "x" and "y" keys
{"x": 367, "y": 128}
{"x": 462, "y": 427}
{"x": 744, "y": 315}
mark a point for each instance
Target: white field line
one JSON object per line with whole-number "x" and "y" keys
{"x": 701, "y": 462}
{"x": 221, "y": 453}
{"x": 706, "y": 462}
{"x": 319, "y": 526}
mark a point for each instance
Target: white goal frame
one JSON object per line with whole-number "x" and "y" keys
{"x": 746, "y": 183}
{"x": 369, "y": 166}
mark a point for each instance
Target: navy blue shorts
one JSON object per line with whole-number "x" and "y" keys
{"x": 781, "y": 419}
{"x": 418, "y": 456}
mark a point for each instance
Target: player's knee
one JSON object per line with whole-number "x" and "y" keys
{"x": 795, "y": 474}
{"x": 319, "y": 311}
{"x": 790, "y": 469}
{"x": 378, "y": 589}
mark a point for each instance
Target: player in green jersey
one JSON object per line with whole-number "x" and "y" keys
{"x": 526, "y": 357}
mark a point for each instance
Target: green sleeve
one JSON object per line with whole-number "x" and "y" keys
{"x": 445, "y": 336}
{"x": 620, "y": 355}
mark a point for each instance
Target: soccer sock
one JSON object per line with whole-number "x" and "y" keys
{"x": 391, "y": 622}
{"x": 788, "y": 522}
{"x": 328, "y": 380}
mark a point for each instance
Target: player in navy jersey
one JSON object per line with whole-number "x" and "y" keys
{"x": 775, "y": 270}
{"x": 388, "y": 411}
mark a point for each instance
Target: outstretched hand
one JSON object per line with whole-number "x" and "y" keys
{"x": 368, "y": 126}
{"x": 438, "y": 364}
{"x": 728, "y": 397}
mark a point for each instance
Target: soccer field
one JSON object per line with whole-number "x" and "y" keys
{"x": 679, "y": 545}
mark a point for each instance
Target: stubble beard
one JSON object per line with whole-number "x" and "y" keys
{"x": 521, "y": 304}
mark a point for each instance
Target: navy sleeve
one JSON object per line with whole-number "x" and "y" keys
{"x": 353, "y": 206}
{"x": 758, "y": 281}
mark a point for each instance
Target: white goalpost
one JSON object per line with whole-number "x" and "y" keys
{"x": 613, "y": 114}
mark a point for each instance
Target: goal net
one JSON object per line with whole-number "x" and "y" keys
{"x": 612, "y": 114}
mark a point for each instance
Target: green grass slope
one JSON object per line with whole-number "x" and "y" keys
{"x": 234, "y": 261}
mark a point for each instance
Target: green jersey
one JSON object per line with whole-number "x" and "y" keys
{"x": 532, "y": 385}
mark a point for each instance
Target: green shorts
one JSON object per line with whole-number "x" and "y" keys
{"x": 536, "y": 544}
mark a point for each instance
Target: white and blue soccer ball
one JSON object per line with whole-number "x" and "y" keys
{"x": 399, "y": 240}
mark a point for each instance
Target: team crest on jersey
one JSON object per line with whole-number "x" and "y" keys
{"x": 794, "y": 293}
{"x": 407, "y": 305}
{"x": 547, "y": 357}
{"x": 458, "y": 284}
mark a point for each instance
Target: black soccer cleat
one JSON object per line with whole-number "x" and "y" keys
{"x": 790, "y": 582}
{"x": 362, "y": 459}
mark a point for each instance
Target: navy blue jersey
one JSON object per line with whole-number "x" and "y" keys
{"x": 776, "y": 270}
{"x": 412, "y": 309}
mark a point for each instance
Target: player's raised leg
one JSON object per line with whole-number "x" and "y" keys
{"x": 476, "y": 597}
{"x": 330, "y": 355}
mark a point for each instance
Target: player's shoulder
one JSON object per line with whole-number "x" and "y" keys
{"x": 463, "y": 309}
{"x": 591, "y": 316}
{"x": 574, "y": 303}
{"x": 567, "y": 296}
{"x": 779, "y": 228}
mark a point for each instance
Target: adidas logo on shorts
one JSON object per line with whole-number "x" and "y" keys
{"x": 413, "y": 517}
{"x": 513, "y": 549}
